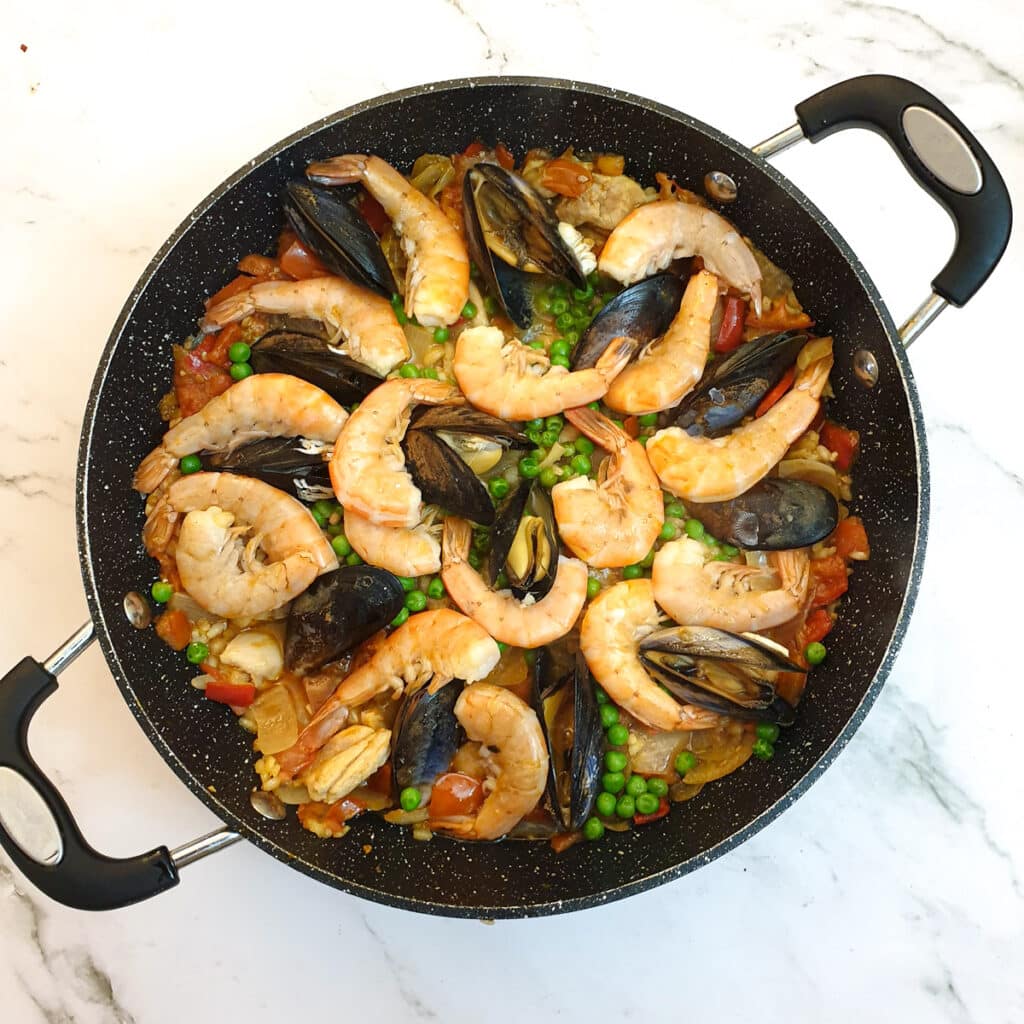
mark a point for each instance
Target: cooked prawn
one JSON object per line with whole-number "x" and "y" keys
{"x": 652, "y": 236}
{"x": 668, "y": 368}
{"x": 263, "y": 405}
{"x": 437, "y": 278}
{"x": 721, "y": 468}
{"x": 364, "y": 323}
{"x": 508, "y": 379}
{"x": 740, "y": 598}
{"x": 616, "y": 621}
{"x": 505, "y": 618}
{"x": 368, "y": 466}
{"x": 440, "y": 644}
{"x": 227, "y": 575}
{"x": 517, "y": 758}
{"x": 399, "y": 549}
{"x": 614, "y": 520}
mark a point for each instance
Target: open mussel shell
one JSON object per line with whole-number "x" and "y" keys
{"x": 734, "y": 387}
{"x": 478, "y": 438}
{"x": 445, "y": 479}
{"x": 774, "y": 515}
{"x": 721, "y": 671}
{"x": 293, "y": 464}
{"x": 308, "y": 357}
{"x": 513, "y": 238}
{"x": 563, "y": 697}
{"x": 642, "y": 312}
{"x": 337, "y": 613}
{"x": 337, "y": 232}
{"x": 427, "y": 735}
{"x": 524, "y": 542}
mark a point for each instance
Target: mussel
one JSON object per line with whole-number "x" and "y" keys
{"x": 336, "y": 231}
{"x": 642, "y": 312}
{"x": 513, "y": 238}
{"x": 774, "y": 515}
{"x": 726, "y": 672}
{"x": 445, "y": 479}
{"x": 734, "y": 387}
{"x": 479, "y": 438}
{"x": 293, "y": 464}
{"x": 309, "y": 357}
{"x": 571, "y": 721}
{"x": 427, "y": 735}
{"x": 338, "y": 612}
{"x": 524, "y": 542}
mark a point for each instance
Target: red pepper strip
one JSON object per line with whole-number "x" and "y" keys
{"x": 474, "y": 149}
{"x": 643, "y": 819}
{"x": 776, "y": 392}
{"x": 238, "y": 695}
{"x": 214, "y": 347}
{"x": 730, "y": 333}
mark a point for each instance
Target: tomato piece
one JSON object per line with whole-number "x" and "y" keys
{"x": 850, "y": 539}
{"x": 643, "y": 819}
{"x": 504, "y": 157}
{"x": 455, "y": 794}
{"x": 730, "y": 334}
{"x": 776, "y": 392}
{"x": 298, "y": 262}
{"x": 258, "y": 266}
{"x": 214, "y": 347}
{"x": 373, "y": 213}
{"x": 631, "y": 425}
{"x": 174, "y": 629}
{"x": 332, "y": 816}
{"x": 239, "y": 284}
{"x": 239, "y": 695}
{"x": 778, "y": 318}
{"x": 561, "y": 841}
{"x": 841, "y": 440}
{"x": 828, "y": 580}
{"x": 816, "y": 628}
{"x": 566, "y": 177}
{"x": 196, "y": 381}
{"x": 381, "y": 780}
{"x": 474, "y": 148}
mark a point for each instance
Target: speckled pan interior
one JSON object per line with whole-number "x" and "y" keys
{"x": 511, "y": 879}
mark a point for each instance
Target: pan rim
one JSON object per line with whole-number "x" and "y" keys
{"x": 546, "y": 906}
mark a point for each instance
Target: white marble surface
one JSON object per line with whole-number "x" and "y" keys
{"x": 892, "y": 890}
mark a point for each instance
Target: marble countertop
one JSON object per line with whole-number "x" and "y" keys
{"x": 893, "y": 889}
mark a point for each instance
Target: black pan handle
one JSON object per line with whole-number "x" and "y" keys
{"x": 37, "y": 828}
{"x": 943, "y": 156}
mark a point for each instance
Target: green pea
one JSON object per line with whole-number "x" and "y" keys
{"x": 648, "y": 560}
{"x": 549, "y": 438}
{"x": 763, "y": 749}
{"x": 560, "y": 347}
{"x": 197, "y": 652}
{"x": 540, "y": 454}
{"x": 674, "y": 510}
{"x": 435, "y": 589}
{"x": 565, "y": 322}
{"x": 593, "y": 587}
{"x": 642, "y": 440}
{"x": 529, "y": 657}
{"x": 469, "y": 311}
{"x": 410, "y": 798}
{"x": 544, "y": 303}
{"x": 583, "y": 445}
{"x": 409, "y": 583}
{"x": 580, "y": 312}
{"x": 324, "y": 507}
{"x": 613, "y": 782}
{"x": 657, "y": 787}
{"x": 583, "y": 294}
{"x": 490, "y": 305}
{"x": 498, "y": 486}
{"x": 605, "y": 804}
{"x": 190, "y": 464}
{"x": 440, "y": 335}
{"x": 554, "y": 423}
{"x": 239, "y": 352}
{"x": 408, "y": 370}
{"x": 537, "y": 424}
{"x": 560, "y": 361}
{"x": 534, "y": 436}
{"x": 596, "y": 406}
{"x": 600, "y": 696}
{"x": 416, "y": 601}
{"x": 559, "y": 307}
{"x": 669, "y": 531}
{"x": 501, "y": 582}
{"x": 647, "y": 803}
{"x": 685, "y": 761}
{"x": 548, "y": 477}
{"x": 401, "y": 316}
{"x": 593, "y": 829}
{"x": 502, "y": 646}
{"x": 609, "y": 715}
{"x": 321, "y": 519}
{"x": 632, "y": 572}
{"x": 649, "y": 419}
{"x": 239, "y": 371}
{"x": 694, "y": 528}
{"x": 572, "y": 337}
{"x": 730, "y": 550}
{"x": 560, "y": 290}
{"x": 162, "y": 591}
{"x": 618, "y": 735}
{"x": 625, "y": 806}
{"x": 353, "y": 559}
{"x": 615, "y": 761}
{"x": 528, "y": 468}
{"x": 582, "y": 464}
{"x": 538, "y": 345}
{"x": 474, "y": 560}
{"x": 767, "y": 731}
{"x": 815, "y": 653}
{"x": 619, "y": 424}
{"x": 334, "y": 530}
{"x": 430, "y": 372}
{"x": 481, "y": 541}
{"x": 400, "y": 617}
{"x": 636, "y": 785}
{"x": 568, "y": 473}
{"x": 341, "y": 546}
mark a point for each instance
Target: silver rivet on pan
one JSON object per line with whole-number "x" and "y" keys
{"x": 270, "y": 805}
{"x": 865, "y": 366}
{"x": 720, "y": 186}
{"x": 137, "y": 610}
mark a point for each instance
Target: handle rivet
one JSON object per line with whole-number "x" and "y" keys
{"x": 720, "y": 187}
{"x": 137, "y": 610}
{"x": 865, "y": 366}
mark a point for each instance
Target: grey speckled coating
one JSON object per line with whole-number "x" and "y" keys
{"x": 513, "y": 879}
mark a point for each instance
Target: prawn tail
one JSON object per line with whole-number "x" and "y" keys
{"x": 598, "y": 428}
{"x": 338, "y": 170}
{"x": 153, "y": 470}
{"x": 615, "y": 357}
{"x": 228, "y": 311}
{"x": 455, "y": 541}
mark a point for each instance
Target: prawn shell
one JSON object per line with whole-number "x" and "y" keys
{"x": 337, "y": 232}
{"x": 309, "y": 357}
{"x": 427, "y": 736}
{"x": 733, "y": 388}
{"x": 292, "y": 464}
{"x": 337, "y": 613}
{"x": 444, "y": 478}
{"x": 527, "y": 499}
{"x": 774, "y": 515}
{"x": 643, "y": 312}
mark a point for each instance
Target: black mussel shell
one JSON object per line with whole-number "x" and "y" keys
{"x": 293, "y": 464}
{"x": 308, "y": 357}
{"x": 774, "y": 515}
{"x": 529, "y": 557}
{"x": 720, "y": 671}
{"x": 427, "y": 735}
{"x": 734, "y": 387}
{"x": 642, "y": 312}
{"x": 337, "y": 232}
{"x": 338, "y": 612}
{"x": 444, "y": 479}
{"x": 464, "y": 419}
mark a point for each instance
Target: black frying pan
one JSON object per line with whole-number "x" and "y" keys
{"x": 511, "y": 879}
